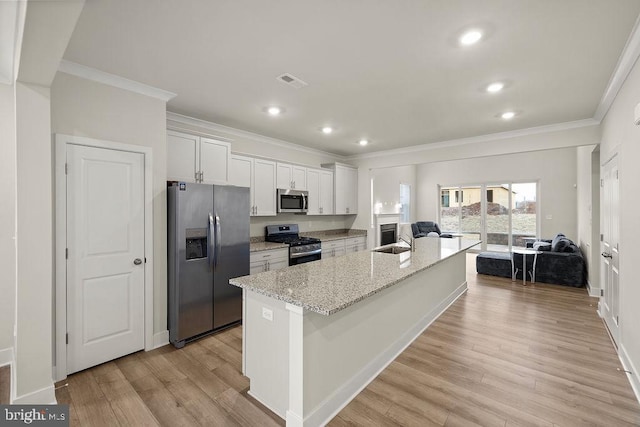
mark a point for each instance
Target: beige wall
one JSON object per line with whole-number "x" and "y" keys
{"x": 386, "y": 188}
{"x": 587, "y": 219}
{"x": 554, "y": 170}
{"x": 620, "y": 135}
{"x": 84, "y": 108}
{"x": 7, "y": 216}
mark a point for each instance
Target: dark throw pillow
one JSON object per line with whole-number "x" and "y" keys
{"x": 561, "y": 245}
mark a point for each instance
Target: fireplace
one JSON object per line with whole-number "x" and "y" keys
{"x": 388, "y": 233}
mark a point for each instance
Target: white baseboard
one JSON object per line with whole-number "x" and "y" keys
{"x": 330, "y": 407}
{"x": 275, "y": 411}
{"x": 628, "y": 365}
{"x": 160, "y": 339}
{"x": 593, "y": 291}
{"x": 44, "y": 396}
{"x": 6, "y": 356}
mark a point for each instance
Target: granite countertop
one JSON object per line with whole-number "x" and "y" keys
{"x": 333, "y": 284}
{"x": 266, "y": 246}
{"x": 258, "y": 243}
{"x": 334, "y": 234}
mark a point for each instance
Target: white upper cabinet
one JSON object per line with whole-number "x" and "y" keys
{"x": 264, "y": 187}
{"x": 320, "y": 188}
{"x": 345, "y": 188}
{"x": 292, "y": 176}
{"x": 326, "y": 192}
{"x": 214, "y": 161}
{"x": 183, "y": 157}
{"x": 194, "y": 158}
{"x": 260, "y": 176}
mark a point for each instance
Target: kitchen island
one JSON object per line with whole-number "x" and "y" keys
{"x": 316, "y": 334}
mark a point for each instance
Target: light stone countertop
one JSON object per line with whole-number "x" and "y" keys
{"x": 326, "y": 236}
{"x": 266, "y": 246}
{"x": 333, "y": 284}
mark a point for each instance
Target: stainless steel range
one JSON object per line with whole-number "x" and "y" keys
{"x": 301, "y": 249}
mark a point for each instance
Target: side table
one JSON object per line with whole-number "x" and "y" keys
{"x": 524, "y": 253}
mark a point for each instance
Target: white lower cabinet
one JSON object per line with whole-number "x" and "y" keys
{"x": 355, "y": 244}
{"x": 333, "y": 248}
{"x": 273, "y": 259}
{"x": 339, "y": 247}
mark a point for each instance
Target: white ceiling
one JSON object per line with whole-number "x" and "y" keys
{"x": 391, "y": 71}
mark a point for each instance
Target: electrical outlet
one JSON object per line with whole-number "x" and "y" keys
{"x": 267, "y": 313}
{"x": 549, "y": 216}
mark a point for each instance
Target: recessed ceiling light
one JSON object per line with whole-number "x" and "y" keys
{"x": 470, "y": 37}
{"x": 363, "y": 142}
{"x": 495, "y": 87}
{"x": 327, "y": 130}
{"x": 508, "y": 115}
{"x": 274, "y": 111}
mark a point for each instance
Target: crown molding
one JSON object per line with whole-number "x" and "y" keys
{"x": 95, "y": 75}
{"x": 218, "y": 128}
{"x": 627, "y": 60}
{"x": 479, "y": 139}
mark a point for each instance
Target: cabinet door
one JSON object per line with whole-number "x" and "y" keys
{"x": 315, "y": 195}
{"x": 351, "y": 191}
{"x": 240, "y": 172}
{"x": 214, "y": 161}
{"x": 326, "y": 192}
{"x": 277, "y": 264}
{"x": 182, "y": 157}
{"x": 264, "y": 187}
{"x": 284, "y": 176}
{"x": 257, "y": 267}
{"x": 299, "y": 177}
{"x": 340, "y": 186}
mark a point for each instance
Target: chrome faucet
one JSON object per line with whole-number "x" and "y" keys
{"x": 411, "y": 242}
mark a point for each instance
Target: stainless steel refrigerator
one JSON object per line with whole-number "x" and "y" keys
{"x": 208, "y": 243}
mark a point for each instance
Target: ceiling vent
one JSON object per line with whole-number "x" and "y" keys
{"x": 292, "y": 80}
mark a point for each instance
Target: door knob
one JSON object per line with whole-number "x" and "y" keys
{"x": 137, "y": 261}
{"x": 606, "y": 255}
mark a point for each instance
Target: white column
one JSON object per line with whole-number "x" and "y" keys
{"x": 34, "y": 382}
{"x": 295, "y": 413}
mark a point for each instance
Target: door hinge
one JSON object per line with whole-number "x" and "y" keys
{"x": 602, "y": 183}
{"x": 66, "y": 253}
{"x": 617, "y": 172}
{"x": 602, "y": 237}
{"x": 67, "y": 337}
{"x": 145, "y": 260}
{"x": 66, "y": 168}
{"x": 601, "y": 292}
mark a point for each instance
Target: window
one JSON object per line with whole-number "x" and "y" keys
{"x": 445, "y": 198}
{"x": 405, "y": 203}
{"x": 502, "y": 215}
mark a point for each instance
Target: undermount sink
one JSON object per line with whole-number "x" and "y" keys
{"x": 393, "y": 248}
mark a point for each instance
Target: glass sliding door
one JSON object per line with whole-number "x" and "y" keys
{"x": 501, "y": 215}
{"x": 449, "y": 211}
{"x": 499, "y": 202}
{"x": 524, "y": 213}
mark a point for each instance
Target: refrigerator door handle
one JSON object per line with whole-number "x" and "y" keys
{"x": 218, "y": 235}
{"x": 210, "y": 239}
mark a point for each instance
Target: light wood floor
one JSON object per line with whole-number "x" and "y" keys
{"x": 5, "y": 384}
{"x": 502, "y": 355}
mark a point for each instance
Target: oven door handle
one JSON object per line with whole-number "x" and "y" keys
{"x": 300, "y": 255}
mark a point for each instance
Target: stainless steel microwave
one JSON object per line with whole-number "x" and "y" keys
{"x": 294, "y": 201}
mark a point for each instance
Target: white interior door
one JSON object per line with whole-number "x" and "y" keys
{"x": 105, "y": 265}
{"x": 610, "y": 272}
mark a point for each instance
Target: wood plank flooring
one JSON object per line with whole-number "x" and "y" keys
{"x": 502, "y": 355}
{"x": 5, "y": 384}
